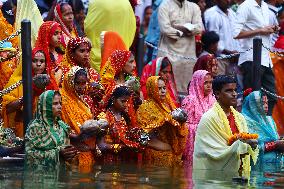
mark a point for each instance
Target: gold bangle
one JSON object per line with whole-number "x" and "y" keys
{"x": 116, "y": 148}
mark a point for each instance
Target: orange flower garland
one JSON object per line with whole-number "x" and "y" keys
{"x": 244, "y": 136}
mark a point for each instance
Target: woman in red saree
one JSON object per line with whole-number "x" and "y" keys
{"x": 49, "y": 40}
{"x": 121, "y": 141}
{"x": 77, "y": 53}
{"x": 160, "y": 67}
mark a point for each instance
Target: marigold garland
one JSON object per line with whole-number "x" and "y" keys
{"x": 244, "y": 136}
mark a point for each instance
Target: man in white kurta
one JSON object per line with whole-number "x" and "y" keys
{"x": 176, "y": 39}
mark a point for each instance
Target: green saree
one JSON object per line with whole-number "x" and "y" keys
{"x": 44, "y": 138}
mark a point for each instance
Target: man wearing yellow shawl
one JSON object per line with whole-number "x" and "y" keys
{"x": 168, "y": 135}
{"x": 222, "y": 141}
{"x": 108, "y": 15}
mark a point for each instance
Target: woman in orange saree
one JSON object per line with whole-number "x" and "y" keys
{"x": 49, "y": 36}
{"x": 9, "y": 58}
{"x": 13, "y": 103}
{"x": 75, "y": 111}
{"x": 278, "y": 69}
{"x": 77, "y": 53}
{"x": 168, "y": 136}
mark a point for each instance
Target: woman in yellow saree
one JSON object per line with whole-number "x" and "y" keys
{"x": 109, "y": 15}
{"x": 8, "y": 62}
{"x": 75, "y": 111}
{"x": 13, "y": 103}
{"x": 168, "y": 136}
{"x": 6, "y": 29}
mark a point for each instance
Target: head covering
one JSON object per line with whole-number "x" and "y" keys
{"x": 42, "y": 138}
{"x": 45, "y": 33}
{"x": 48, "y": 70}
{"x": 153, "y": 68}
{"x": 257, "y": 120}
{"x": 58, "y": 18}
{"x": 204, "y": 62}
{"x": 113, "y": 66}
{"x": 110, "y": 41}
{"x": 118, "y": 59}
{"x": 73, "y": 43}
{"x": 153, "y": 94}
{"x": 196, "y": 104}
{"x": 44, "y": 112}
{"x": 102, "y": 17}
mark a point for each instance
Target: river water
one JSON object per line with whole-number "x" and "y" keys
{"x": 15, "y": 176}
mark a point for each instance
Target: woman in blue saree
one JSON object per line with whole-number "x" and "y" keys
{"x": 254, "y": 109}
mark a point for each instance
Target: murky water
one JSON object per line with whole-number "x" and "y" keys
{"x": 136, "y": 177}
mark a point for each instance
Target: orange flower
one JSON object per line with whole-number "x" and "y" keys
{"x": 244, "y": 136}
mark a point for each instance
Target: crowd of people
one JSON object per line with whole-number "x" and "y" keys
{"x": 200, "y": 100}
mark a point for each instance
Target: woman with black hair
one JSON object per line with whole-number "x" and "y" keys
{"x": 162, "y": 67}
{"x": 79, "y": 15}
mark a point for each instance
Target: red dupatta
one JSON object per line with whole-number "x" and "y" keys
{"x": 59, "y": 18}
{"x": 45, "y": 33}
{"x": 48, "y": 70}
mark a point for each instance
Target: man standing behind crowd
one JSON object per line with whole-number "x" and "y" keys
{"x": 273, "y": 14}
{"x": 175, "y": 38}
{"x": 221, "y": 20}
{"x": 253, "y": 21}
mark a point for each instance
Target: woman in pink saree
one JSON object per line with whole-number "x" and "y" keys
{"x": 199, "y": 100}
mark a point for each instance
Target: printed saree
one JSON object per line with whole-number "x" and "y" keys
{"x": 153, "y": 116}
{"x": 75, "y": 111}
{"x": 195, "y": 104}
{"x": 13, "y": 120}
{"x": 44, "y": 137}
{"x": 153, "y": 68}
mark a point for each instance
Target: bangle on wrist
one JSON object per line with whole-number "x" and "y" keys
{"x": 115, "y": 148}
